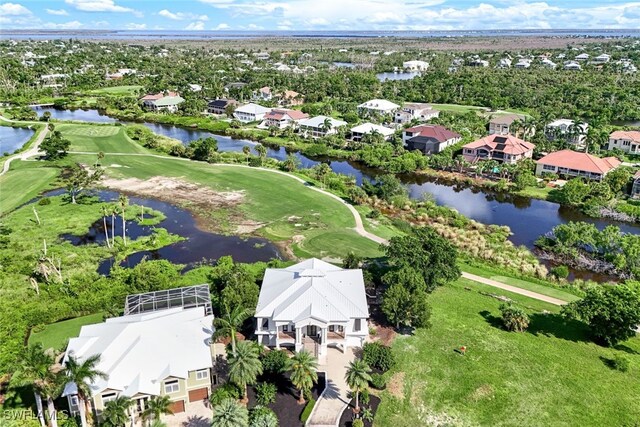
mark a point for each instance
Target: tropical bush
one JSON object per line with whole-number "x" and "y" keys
{"x": 266, "y": 393}
{"x": 378, "y": 381}
{"x": 274, "y": 362}
{"x": 514, "y": 318}
{"x": 378, "y": 356}
{"x": 225, "y": 391}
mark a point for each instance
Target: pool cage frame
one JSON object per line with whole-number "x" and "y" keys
{"x": 185, "y": 297}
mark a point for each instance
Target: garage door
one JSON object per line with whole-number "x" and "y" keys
{"x": 177, "y": 407}
{"x": 198, "y": 394}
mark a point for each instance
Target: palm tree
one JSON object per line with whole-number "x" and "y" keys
{"x": 262, "y": 152}
{"x": 115, "y": 412}
{"x": 244, "y": 365}
{"x": 156, "y": 407}
{"x": 357, "y": 378}
{"x": 229, "y": 413}
{"x": 157, "y": 423}
{"x": 326, "y": 125}
{"x": 82, "y": 374}
{"x": 303, "y": 367}
{"x": 246, "y": 150}
{"x": 34, "y": 370}
{"x": 105, "y": 213}
{"x": 228, "y": 324}
{"x": 123, "y": 201}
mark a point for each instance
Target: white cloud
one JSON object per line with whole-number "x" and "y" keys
{"x": 222, "y": 26}
{"x": 134, "y": 26}
{"x": 13, "y": 9}
{"x": 97, "y": 6}
{"x": 179, "y": 16}
{"x": 195, "y": 26}
{"x": 254, "y": 27}
{"x": 58, "y": 12}
{"x": 72, "y": 25}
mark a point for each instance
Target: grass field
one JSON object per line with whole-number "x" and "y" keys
{"x": 24, "y": 181}
{"x": 56, "y": 334}
{"x": 117, "y": 90}
{"x": 551, "y": 375}
{"x": 94, "y": 138}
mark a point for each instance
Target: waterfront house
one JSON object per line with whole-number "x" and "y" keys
{"x": 163, "y": 101}
{"x": 429, "y": 139}
{"x": 635, "y": 189}
{"x": 625, "y": 140}
{"x": 415, "y": 65}
{"x": 145, "y": 355}
{"x": 502, "y": 124}
{"x": 503, "y": 148}
{"x": 282, "y": 118}
{"x": 319, "y": 126}
{"x": 415, "y": 111}
{"x": 250, "y": 112}
{"x": 572, "y": 66}
{"x": 366, "y": 128}
{"x": 377, "y": 106}
{"x": 312, "y": 305}
{"x": 571, "y": 164}
{"x": 574, "y": 133}
{"x": 219, "y": 106}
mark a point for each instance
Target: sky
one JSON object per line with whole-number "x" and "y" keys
{"x": 300, "y": 15}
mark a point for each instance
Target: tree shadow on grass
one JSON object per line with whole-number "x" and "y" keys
{"x": 626, "y": 349}
{"x": 494, "y": 321}
{"x": 551, "y": 324}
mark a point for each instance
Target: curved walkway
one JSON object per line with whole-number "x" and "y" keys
{"x": 33, "y": 151}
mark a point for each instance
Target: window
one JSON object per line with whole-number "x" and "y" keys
{"x": 108, "y": 397}
{"x": 202, "y": 374}
{"x": 74, "y": 400}
{"x": 265, "y": 323}
{"x": 340, "y": 328}
{"x": 357, "y": 325}
{"x": 214, "y": 379}
{"x": 548, "y": 167}
{"x": 285, "y": 328}
{"x": 171, "y": 386}
{"x": 626, "y": 143}
{"x": 332, "y": 328}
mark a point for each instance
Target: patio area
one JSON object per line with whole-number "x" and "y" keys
{"x": 196, "y": 414}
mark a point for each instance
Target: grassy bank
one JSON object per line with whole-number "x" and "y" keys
{"x": 551, "y": 375}
{"x": 28, "y": 179}
{"x": 57, "y": 334}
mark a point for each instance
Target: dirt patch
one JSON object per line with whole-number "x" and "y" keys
{"x": 485, "y": 391}
{"x": 396, "y": 385}
{"x": 248, "y": 227}
{"x": 384, "y": 334}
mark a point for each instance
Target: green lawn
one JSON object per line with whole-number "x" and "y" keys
{"x": 117, "y": 90}
{"x": 551, "y": 375}
{"x": 24, "y": 181}
{"x": 456, "y": 108}
{"x": 519, "y": 283}
{"x": 96, "y": 138}
{"x": 56, "y": 334}
{"x": 536, "y": 192}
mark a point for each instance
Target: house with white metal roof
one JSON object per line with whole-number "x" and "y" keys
{"x": 312, "y": 305}
{"x": 367, "y": 128}
{"x": 250, "y": 112}
{"x": 319, "y": 126}
{"x": 377, "y": 106}
{"x": 145, "y": 355}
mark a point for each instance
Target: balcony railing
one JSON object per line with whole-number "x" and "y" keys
{"x": 335, "y": 335}
{"x": 286, "y": 335}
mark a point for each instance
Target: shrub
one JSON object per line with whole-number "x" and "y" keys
{"x": 375, "y": 213}
{"x": 275, "y": 362}
{"x": 561, "y": 271}
{"x": 226, "y": 391}
{"x": 378, "y": 381}
{"x": 378, "y": 356}
{"x": 357, "y": 423}
{"x": 44, "y": 201}
{"x": 620, "y": 363}
{"x": 306, "y": 413}
{"x": 266, "y": 393}
{"x": 260, "y": 416}
{"x": 514, "y": 318}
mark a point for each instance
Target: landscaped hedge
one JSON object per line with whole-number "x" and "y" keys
{"x": 378, "y": 356}
{"x": 306, "y": 413}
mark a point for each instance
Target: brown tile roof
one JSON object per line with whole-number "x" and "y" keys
{"x": 508, "y": 144}
{"x": 156, "y": 96}
{"x": 506, "y": 119}
{"x": 437, "y": 132}
{"x": 632, "y": 135}
{"x": 278, "y": 114}
{"x": 580, "y": 161}
{"x": 290, "y": 94}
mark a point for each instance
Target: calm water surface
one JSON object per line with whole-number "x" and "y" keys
{"x": 12, "y": 139}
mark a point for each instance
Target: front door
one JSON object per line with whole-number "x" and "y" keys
{"x": 312, "y": 331}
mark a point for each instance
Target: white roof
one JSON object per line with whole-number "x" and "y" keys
{"x": 252, "y": 108}
{"x": 317, "y": 121}
{"x": 379, "y": 104}
{"x": 139, "y": 351}
{"x": 369, "y": 127}
{"x": 312, "y": 289}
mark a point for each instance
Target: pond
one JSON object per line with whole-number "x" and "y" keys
{"x": 383, "y": 77}
{"x": 199, "y": 245}
{"x": 88, "y": 115}
{"x": 12, "y": 139}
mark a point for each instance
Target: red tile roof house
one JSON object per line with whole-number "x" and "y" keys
{"x": 503, "y": 148}
{"x": 625, "y": 140}
{"x": 429, "y": 139}
{"x": 168, "y": 101}
{"x": 282, "y": 118}
{"x": 569, "y": 164}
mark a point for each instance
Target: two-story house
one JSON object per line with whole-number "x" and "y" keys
{"x": 503, "y": 148}
{"x": 146, "y": 355}
{"x": 415, "y": 111}
{"x": 312, "y": 305}
{"x": 163, "y": 101}
{"x": 625, "y": 140}
{"x": 319, "y": 126}
{"x": 503, "y": 124}
{"x": 571, "y": 164}
{"x": 574, "y": 133}
{"x": 220, "y": 105}
{"x": 377, "y": 107}
{"x": 429, "y": 139}
{"x": 250, "y": 112}
{"x": 360, "y": 131}
{"x": 282, "y": 118}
